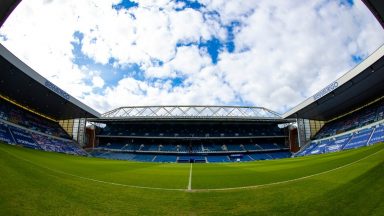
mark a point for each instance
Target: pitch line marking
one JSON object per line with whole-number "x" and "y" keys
{"x": 190, "y": 179}
{"x": 91, "y": 179}
{"x": 290, "y": 180}
{"x": 194, "y": 190}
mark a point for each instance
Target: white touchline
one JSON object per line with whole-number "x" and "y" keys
{"x": 190, "y": 178}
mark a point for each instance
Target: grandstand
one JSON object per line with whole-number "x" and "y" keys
{"x": 190, "y": 134}
{"x": 346, "y": 114}
{"x": 41, "y": 116}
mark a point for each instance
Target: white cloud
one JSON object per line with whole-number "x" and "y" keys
{"x": 97, "y": 82}
{"x": 284, "y": 52}
{"x": 189, "y": 60}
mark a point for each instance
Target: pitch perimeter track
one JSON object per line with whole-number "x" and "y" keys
{"x": 189, "y": 187}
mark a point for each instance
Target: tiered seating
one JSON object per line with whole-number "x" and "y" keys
{"x": 115, "y": 146}
{"x": 38, "y": 141}
{"x": 168, "y": 147}
{"x": 154, "y": 147}
{"x": 18, "y": 126}
{"x": 19, "y": 116}
{"x": 368, "y": 130}
{"x": 23, "y": 137}
{"x": 252, "y": 147}
{"x": 170, "y": 158}
{"x": 246, "y": 158}
{"x": 57, "y": 145}
{"x": 358, "y": 119}
{"x": 165, "y": 158}
{"x": 114, "y": 155}
{"x": 213, "y": 141}
{"x": 234, "y": 147}
{"x": 330, "y": 145}
{"x": 129, "y": 147}
{"x": 144, "y": 157}
{"x": 208, "y": 147}
{"x": 317, "y": 148}
{"x": 269, "y": 146}
{"x": 218, "y": 158}
{"x": 380, "y": 113}
{"x": 279, "y": 155}
{"x": 368, "y": 116}
{"x": 377, "y": 135}
{"x": 307, "y": 149}
{"x": 260, "y": 156}
{"x": 341, "y": 141}
{"x": 195, "y": 148}
{"x": 181, "y": 148}
{"x": 188, "y": 158}
{"x": 190, "y": 130}
{"x": 359, "y": 139}
{"x": 363, "y": 137}
{"x": 201, "y": 140}
{"x": 5, "y": 135}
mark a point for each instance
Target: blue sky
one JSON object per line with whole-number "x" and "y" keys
{"x": 209, "y": 52}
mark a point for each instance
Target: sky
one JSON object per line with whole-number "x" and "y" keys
{"x": 273, "y": 54}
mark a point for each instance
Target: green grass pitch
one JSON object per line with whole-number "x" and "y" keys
{"x": 41, "y": 183}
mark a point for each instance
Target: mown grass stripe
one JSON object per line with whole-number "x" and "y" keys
{"x": 189, "y": 189}
{"x": 91, "y": 179}
{"x": 291, "y": 180}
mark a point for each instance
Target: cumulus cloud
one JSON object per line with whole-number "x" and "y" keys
{"x": 97, "y": 82}
{"x": 269, "y": 53}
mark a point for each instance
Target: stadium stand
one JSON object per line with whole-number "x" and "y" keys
{"x": 183, "y": 138}
{"x": 19, "y": 116}
{"x": 377, "y": 135}
{"x": 19, "y": 126}
{"x": 22, "y": 137}
{"x": 260, "y": 156}
{"x": 359, "y": 138}
{"x": 31, "y": 108}
{"x": 218, "y": 158}
{"x": 5, "y": 134}
{"x": 358, "y": 119}
{"x": 165, "y": 158}
{"x": 357, "y": 129}
{"x": 189, "y": 130}
{"x": 189, "y": 148}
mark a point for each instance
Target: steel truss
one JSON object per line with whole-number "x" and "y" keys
{"x": 191, "y": 112}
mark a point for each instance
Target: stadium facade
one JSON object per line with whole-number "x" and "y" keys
{"x": 348, "y": 113}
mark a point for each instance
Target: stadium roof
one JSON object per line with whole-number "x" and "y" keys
{"x": 21, "y": 84}
{"x": 6, "y": 8}
{"x": 191, "y": 112}
{"x": 377, "y": 8}
{"x": 359, "y": 86}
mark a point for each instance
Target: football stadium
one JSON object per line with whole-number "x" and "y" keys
{"x": 324, "y": 156}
